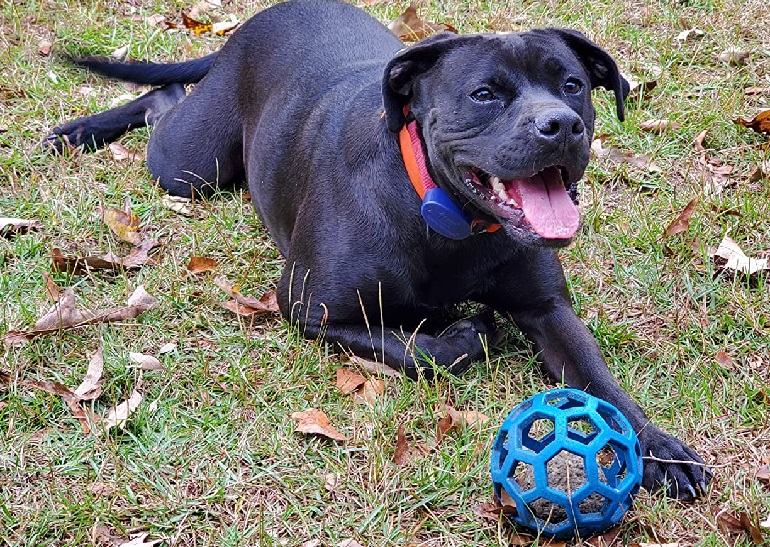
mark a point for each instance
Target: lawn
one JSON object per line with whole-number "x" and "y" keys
{"x": 211, "y": 454}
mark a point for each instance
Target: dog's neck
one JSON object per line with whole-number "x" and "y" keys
{"x": 438, "y": 209}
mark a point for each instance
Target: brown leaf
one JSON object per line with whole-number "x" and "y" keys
{"x": 752, "y": 529}
{"x": 640, "y": 161}
{"x": 640, "y": 90}
{"x": 401, "y": 456}
{"x": 659, "y": 126}
{"x": 91, "y": 386}
{"x": 734, "y": 57}
{"x": 118, "y": 415}
{"x": 61, "y": 263}
{"x": 121, "y": 153}
{"x": 51, "y": 288}
{"x": 145, "y": 362}
{"x": 267, "y": 304}
{"x": 44, "y": 47}
{"x": 183, "y": 206}
{"x": 724, "y": 360}
{"x": 443, "y": 427}
{"x": 473, "y": 418}
{"x": 124, "y": 224}
{"x": 409, "y": 27}
{"x": 155, "y": 20}
{"x": 699, "y": 141}
{"x": 374, "y": 367}
{"x": 749, "y": 91}
{"x": 221, "y": 28}
{"x": 66, "y": 315}
{"x": 369, "y": 392}
{"x": 200, "y": 264}
{"x": 737, "y": 259}
{"x": 348, "y": 381}
{"x": 10, "y": 226}
{"x": 760, "y": 123}
{"x": 196, "y": 26}
{"x": 761, "y": 172}
{"x": 315, "y": 422}
{"x": 682, "y": 222}
{"x": 69, "y": 398}
{"x": 489, "y": 510}
{"x": 140, "y": 256}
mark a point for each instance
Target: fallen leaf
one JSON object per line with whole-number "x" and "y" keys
{"x": 145, "y": 362}
{"x": 640, "y": 161}
{"x": 369, "y": 392}
{"x": 754, "y": 532}
{"x": 761, "y": 172}
{"x": 137, "y": 257}
{"x": 267, "y": 304}
{"x": 221, "y": 28}
{"x": 119, "y": 54}
{"x": 409, "y": 27}
{"x": 724, "y": 360}
{"x": 349, "y": 543}
{"x": 121, "y": 153}
{"x": 10, "y": 226}
{"x": 201, "y": 264}
{"x": 91, "y": 386}
{"x": 456, "y": 419}
{"x": 374, "y": 367}
{"x": 698, "y": 142}
{"x": 51, "y": 288}
{"x": 68, "y": 396}
{"x": 155, "y": 20}
{"x": 348, "y": 381}
{"x": 140, "y": 256}
{"x": 606, "y": 539}
{"x": 639, "y": 90}
{"x": 659, "y": 126}
{"x": 737, "y": 259}
{"x": 473, "y": 418}
{"x": 690, "y": 35}
{"x": 760, "y": 123}
{"x": 313, "y": 421}
{"x": 312, "y": 543}
{"x": 118, "y": 416}
{"x": 183, "y": 206}
{"x": 66, "y": 315}
{"x": 167, "y": 348}
{"x": 682, "y": 222}
{"x": 44, "y": 47}
{"x": 196, "y": 26}
{"x": 401, "y": 456}
{"x": 124, "y": 224}
{"x": 734, "y": 57}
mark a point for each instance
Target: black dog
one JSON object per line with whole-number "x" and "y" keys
{"x": 324, "y": 125}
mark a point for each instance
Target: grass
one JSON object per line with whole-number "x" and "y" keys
{"x": 218, "y": 461}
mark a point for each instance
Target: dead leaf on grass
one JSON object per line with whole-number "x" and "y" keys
{"x": 66, "y": 315}
{"x": 369, "y": 392}
{"x": 10, "y": 226}
{"x": 140, "y": 540}
{"x": 91, "y": 386}
{"x": 118, "y": 415}
{"x": 759, "y": 123}
{"x": 409, "y": 27}
{"x": 374, "y": 367}
{"x": 44, "y": 47}
{"x": 348, "y": 381}
{"x": 724, "y": 360}
{"x": 201, "y": 264}
{"x": 313, "y": 421}
{"x": 136, "y": 258}
{"x": 690, "y": 35}
{"x": 123, "y": 223}
{"x": 640, "y": 161}
{"x": 682, "y": 222}
{"x": 244, "y": 304}
{"x": 145, "y": 362}
{"x": 699, "y": 140}
{"x": 750, "y": 91}
{"x": 737, "y": 259}
{"x": 180, "y": 205}
{"x": 761, "y": 172}
{"x": 52, "y": 290}
{"x": 121, "y": 153}
{"x": 763, "y": 473}
{"x": 457, "y": 419}
{"x": 639, "y": 90}
{"x": 401, "y": 455}
{"x": 734, "y": 57}
{"x": 85, "y": 418}
{"x": 659, "y": 126}
{"x": 167, "y": 348}
{"x": 219, "y": 28}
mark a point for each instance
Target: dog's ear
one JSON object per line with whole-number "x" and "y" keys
{"x": 408, "y": 64}
{"x": 599, "y": 64}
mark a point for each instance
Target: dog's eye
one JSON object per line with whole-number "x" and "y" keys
{"x": 483, "y": 95}
{"x": 573, "y": 86}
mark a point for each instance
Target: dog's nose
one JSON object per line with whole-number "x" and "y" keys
{"x": 560, "y": 126}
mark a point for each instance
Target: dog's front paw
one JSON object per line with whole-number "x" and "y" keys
{"x": 672, "y": 465}
{"x": 64, "y": 138}
{"x": 469, "y": 336}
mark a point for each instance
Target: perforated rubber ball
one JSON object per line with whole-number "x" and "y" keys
{"x": 570, "y": 462}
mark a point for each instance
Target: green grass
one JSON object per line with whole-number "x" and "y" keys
{"x": 219, "y": 462}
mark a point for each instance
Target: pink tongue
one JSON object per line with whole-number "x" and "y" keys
{"x": 547, "y": 205}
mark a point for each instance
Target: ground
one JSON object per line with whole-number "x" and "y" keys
{"x": 212, "y": 456}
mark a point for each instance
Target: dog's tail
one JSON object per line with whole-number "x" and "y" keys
{"x": 189, "y": 72}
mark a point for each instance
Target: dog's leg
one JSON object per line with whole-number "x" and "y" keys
{"x": 93, "y": 132}
{"x": 540, "y": 306}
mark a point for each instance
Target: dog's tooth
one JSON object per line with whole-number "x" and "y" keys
{"x": 497, "y": 186}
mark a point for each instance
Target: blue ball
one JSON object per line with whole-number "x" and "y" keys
{"x": 570, "y": 462}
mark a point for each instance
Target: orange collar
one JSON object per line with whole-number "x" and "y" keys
{"x": 417, "y": 168}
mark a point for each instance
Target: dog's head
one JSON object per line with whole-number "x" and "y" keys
{"x": 507, "y": 122}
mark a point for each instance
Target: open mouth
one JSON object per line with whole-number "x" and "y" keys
{"x": 541, "y": 202}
